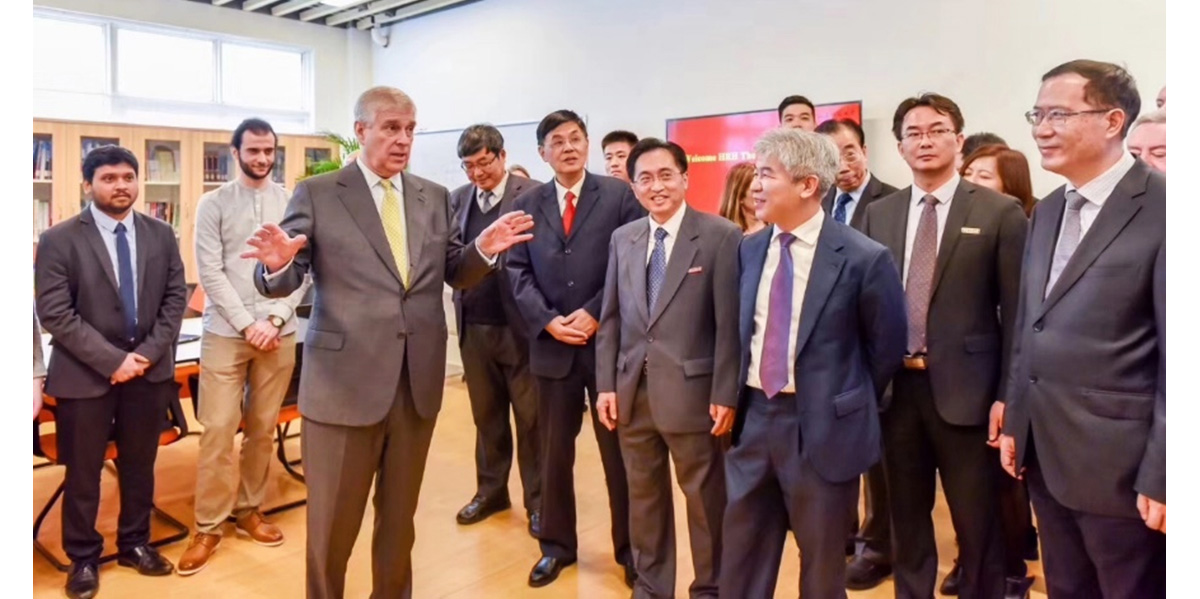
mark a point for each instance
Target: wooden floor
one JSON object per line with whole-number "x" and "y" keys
{"x": 489, "y": 559}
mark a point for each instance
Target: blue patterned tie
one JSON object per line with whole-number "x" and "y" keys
{"x": 125, "y": 274}
{"x": 656, "y": 272}
{"x": 773, "y": 363}
{"x": 839, "y": 211}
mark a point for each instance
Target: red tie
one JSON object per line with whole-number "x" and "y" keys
{"x": 569, "y": 213}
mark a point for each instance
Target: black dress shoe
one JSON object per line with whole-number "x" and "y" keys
{"x": 479, "y": 509}
{"x": 546, "y": 570}
{"x": 863, "y": 574}
{"x": 83, "y": 581}
{"x": 950, "y": 582}
{"x": 1017, "y": 587}
{"x": 146, "y": 560}
{"x": 535, "y": 524}
{"x": 630, "y": 574}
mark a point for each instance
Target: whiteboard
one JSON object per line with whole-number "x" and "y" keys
{"x": 435, "y": 154}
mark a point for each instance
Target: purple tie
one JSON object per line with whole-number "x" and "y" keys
{"x": 774, "y": 363}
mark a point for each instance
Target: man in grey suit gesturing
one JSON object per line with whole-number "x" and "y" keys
{"x": 1086, "y": 413}
{"x": 667, "y": 366}
{"x": 379, "y": 243}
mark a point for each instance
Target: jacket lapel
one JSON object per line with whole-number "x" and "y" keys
{"x": 549, "y": 207}
{"x": 1041, "y": 245}
{"x": 91, "y": 234}
{"x": 416, "y": 228}
{"x": 589, "y": 196}
{"x": 464, "y": 211}
{"x": 898, "y": 229}
{"x": 960, "y": 209}
{"x": 357, "y": 198}
{"x": 634, "y": 270}
{"x": 1118, "y": 210}
{"x": 143, "y": 252}
{"x": 826, "y": 267}
{"x": 678, "y": 264}
{"x": 753, "y": 258}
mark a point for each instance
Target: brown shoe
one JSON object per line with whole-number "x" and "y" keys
{"x": 260, "y": 531}
{"x": 199, "y": 551}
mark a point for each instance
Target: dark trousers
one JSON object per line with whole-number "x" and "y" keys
{"x": 561, "y": 404}
{"x": 1092, "y": 556}
{"x": 771, "y": 487}
{"x": 918, "y": 445}
{"x": 699, "y": 466}
{"x": 497, "y": 373}
{"x": 875, "y": 534}
{"x": 1016, "y": 518}
{"x": 133, "y": 414}
{"x": 340, "y": 464}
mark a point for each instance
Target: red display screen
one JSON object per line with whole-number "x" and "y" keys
{"x": 715, "y": 143}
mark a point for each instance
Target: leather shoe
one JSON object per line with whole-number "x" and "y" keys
{"x": 146, "y": 560}
{"x": 259, "y": 530}
{"x": 535, "y": 524}
{"x": 1017, "y": 588}
{"x": 950, "y": 582}
{"x": 630, "y": 574}
{"x": 863, "y": 574}
{"x": 547, "y": 569}
{"x": 479, "y": 509}
{"x": 83, "y": 580}
{"x": 199, "y": 551}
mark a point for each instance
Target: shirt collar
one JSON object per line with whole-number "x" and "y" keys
{"x": 374, "y": 179}
{"x": 944, "y": 194}
{"x": 576, "y": 189}
{"x": 856, "y": 194}
{"x": 1097, "y": 190}
{"x": 672, "y": 225}
{"x": 807, "y": 233}
{"x": 107, "y": 222}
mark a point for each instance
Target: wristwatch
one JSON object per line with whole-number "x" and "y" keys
{"x": 276, "y": 320}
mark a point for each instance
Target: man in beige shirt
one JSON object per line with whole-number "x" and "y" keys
{"x": 249, "y": 340}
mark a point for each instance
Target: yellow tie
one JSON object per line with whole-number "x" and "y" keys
{"x": 394, "y": 227}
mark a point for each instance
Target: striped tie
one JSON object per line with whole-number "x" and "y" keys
{"x": 394, "y": 227}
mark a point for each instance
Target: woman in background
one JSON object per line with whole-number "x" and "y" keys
{"x": 1002, "y": 169}
{"x": 736, "y": 203}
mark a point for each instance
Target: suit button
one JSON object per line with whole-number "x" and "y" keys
{"x": 567, "y": 251}
{"x": 651, "y": 340}
{"x": 570, "y": 283}
{"x": 1037, "y": 327}
{"x": 1033, "y": 380}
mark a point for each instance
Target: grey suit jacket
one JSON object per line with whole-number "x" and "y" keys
{"x": 1088, "y": 376}
{"x": 689, "y": 342}
{"x": 79, "y": 303}
{"x": 876, "y": 190}
{"x": 460, "y": 209}
{"x": 364, "y": 321}
{"x": 975, "y": 288}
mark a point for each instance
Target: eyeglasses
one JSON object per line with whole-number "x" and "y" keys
{"x": 852, "y": 156}
{"x": 1057, "y": 117}
{"x": 575, "y": 142}
{"x": 665, "y": 177}
{"x": 481, "y": 165}
{"x": 932, "y": 134}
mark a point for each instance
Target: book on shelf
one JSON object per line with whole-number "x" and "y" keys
{"x": 164, "y": 211}
{"x": 43, "y": 163}
{"x": 91, "y": 143}
{"x": 41, "y": 217}
{"x": 161, "y": 165}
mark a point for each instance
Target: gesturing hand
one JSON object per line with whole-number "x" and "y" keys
{"x": 273, "y": 246}
{"x": 509, "y": 230}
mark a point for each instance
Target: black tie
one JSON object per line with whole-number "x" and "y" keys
{"x": 128, "y": 292}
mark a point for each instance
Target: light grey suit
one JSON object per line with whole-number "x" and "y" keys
{"x": 369, "y": 404}
{"x": 667, "y": 365}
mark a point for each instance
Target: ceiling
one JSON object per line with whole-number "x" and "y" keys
{"x": 360, "y": 14}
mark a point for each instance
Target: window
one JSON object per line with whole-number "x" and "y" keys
{"x": 262, "y": 77}
{"x": 164, "y": 67}
{"x": 70, "y": 56}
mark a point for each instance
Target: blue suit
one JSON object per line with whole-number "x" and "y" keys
{"x": 797, "y": 457}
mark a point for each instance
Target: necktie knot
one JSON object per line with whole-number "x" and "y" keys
{"x": 487, "y": 196}
{"x": 1075, "y": 201}
{"x": 930, "y": 201}
{"x": 660, "y": 234}
{"x": 844, "y": 199}
{"x": 120, "y": 229}
{"x": 786, "y": 239}
{"x": 570, "y": 198}
{"x": 386, "y": 184}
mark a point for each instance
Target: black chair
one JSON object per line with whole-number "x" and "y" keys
{"x": 46, "y": 446}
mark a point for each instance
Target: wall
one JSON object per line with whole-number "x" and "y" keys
{"x": 634, "y": 63}
{"x": 342, "y": 58}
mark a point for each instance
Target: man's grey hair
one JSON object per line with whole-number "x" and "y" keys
{"x": 802, "y": 154}
{"x": 1154, "y": 116}
{"x": 369, "y": 102}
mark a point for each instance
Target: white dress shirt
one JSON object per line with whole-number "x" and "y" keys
{"x": 562, "y": 193}
{"x": 944, "y": 194}
{"x": 1096, "y": 193}
{"x": 497, "y": 195}
{"x": 108, "y": 232}
{"x": 855, "y": 196}
{"x": 672, "y": 228}
{"x": 803, "y": 249}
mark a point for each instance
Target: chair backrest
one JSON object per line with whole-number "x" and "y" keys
{"x": 175, "y": 422}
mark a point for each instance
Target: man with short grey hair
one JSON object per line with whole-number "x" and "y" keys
{"x": 382, "y": 247}
{"x": 1148, "y": 139}
{"x": 822, "y": 331}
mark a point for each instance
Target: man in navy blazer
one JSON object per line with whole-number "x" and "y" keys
{"x": 823, "y": 329}
{"x": 558, "y": 283}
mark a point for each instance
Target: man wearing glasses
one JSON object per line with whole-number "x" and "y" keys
{"x": 1085, "y": 418}
{"x": 958, "y": 247}
{"x": 853, "y": 191}
{"x": 493, "y": 341}
{"x": 558, "y": 282}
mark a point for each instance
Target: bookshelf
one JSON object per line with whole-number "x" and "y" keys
{"x": 176, "y": 167}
